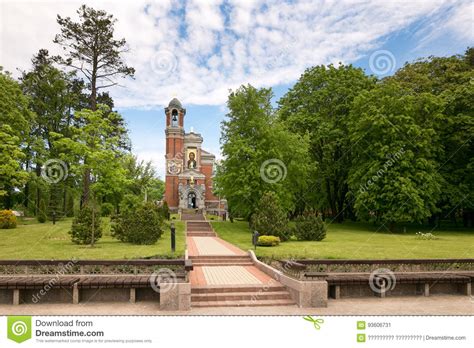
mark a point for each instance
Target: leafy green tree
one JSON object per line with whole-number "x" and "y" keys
{"x": 319, "y": 105}
{"x": 450, "y": 78}
{"x": 91, "y": 149}
{"x": 393, "y": 173}
{"x": 15, "y": 120}
{"x": 90, "y": 47}
{"x": 260, "y": 154}
{"x": 270, "y": 219}
{"x": 53, "y": 96}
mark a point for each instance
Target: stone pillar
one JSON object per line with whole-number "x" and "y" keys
{"x": 75, "y": 294}
{"x": 175, "y": 297}
{"x": 133, "y": 295}
{"x": 16, "y": 297}
{"x": 467, "y": 289}
{"x": 427, "y": 289}
{"x": 313, "y": 294}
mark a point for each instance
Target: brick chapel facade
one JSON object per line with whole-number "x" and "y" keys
{"x": 189, "y": 168}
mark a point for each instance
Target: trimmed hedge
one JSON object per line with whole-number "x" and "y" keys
{"x": 7, "y": 219}
{"x": 268, "y": 241}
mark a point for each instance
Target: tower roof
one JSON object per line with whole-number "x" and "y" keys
{"x": 175, "y": 103}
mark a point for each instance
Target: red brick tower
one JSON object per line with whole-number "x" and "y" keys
{"x": 174, "y": 150}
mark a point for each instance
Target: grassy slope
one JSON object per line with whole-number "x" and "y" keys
{"x": 31, "y": 240}
{"x": 358, "y": 241}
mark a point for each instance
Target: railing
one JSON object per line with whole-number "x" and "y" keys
{"x": 297, "y": 268}
{"x": 93, "y": 267}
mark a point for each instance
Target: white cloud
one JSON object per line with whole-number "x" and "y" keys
{"x": 197, "y": 51}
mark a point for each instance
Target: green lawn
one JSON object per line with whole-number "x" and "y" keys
{"x": 32, "y": 240}
{"x": 358, "y": 241}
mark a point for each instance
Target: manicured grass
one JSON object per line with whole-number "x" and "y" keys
{"x": 32, "y": 240}
{"x": 358, "y": 241}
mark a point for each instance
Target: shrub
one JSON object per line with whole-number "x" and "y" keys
{"x": 106, "y": 209}
{"x": 268, "y": 241}
{"x": 165, "y": 210}
{"x": 270, "y": 218}
{"x": 82, "y": 231}
{"x": 425, "y": 236}
{"x": 7, "y": 219}
{"x": 143, "y": 225}
{"x": 310, "y": 226}
{"x": 42, "y": 212}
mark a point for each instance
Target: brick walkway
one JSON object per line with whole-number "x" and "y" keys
{"x": 224, "y": 275}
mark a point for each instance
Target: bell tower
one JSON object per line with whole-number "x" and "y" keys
{"x": 174, "y": 150}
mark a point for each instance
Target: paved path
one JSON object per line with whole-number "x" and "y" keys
{"x": 232, "y": 274}
{"x": 434, "y": 305}
{"x": 225, "y": 276}
{"x": 210, "y": 246}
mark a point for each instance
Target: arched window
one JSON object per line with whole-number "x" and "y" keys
{"x": 174, "y": 118}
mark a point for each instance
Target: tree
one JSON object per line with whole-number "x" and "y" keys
{"x": 91, "y": 48}
{"x": 393, "y": 173}
{"x": 42, "y": 216}
{"x": 15, "y": 121}
{"x": 449, "y": 78}
{"x": 270, "y": 219}
{"x": 91, "y": 149}
{"x": 254, "y": 159}
{"x": 86, "y": 227}
{"x": 53, "y": 96}
{"x": 319, "y": 105}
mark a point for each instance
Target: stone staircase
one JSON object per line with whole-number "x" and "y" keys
{"x": 231, "y": 260}
{"x": 240, "y": 296}
{"x": 192, "y": 215}
{"x": 199, "y": 229}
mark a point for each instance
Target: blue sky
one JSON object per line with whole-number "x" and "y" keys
{"x": 197, "y": 50}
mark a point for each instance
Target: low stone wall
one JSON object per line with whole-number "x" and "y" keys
{"x": 306, "y": 294}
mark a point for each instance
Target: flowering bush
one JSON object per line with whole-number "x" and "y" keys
{"x": 426, "y": 236}
{"x": 7, "y": 219}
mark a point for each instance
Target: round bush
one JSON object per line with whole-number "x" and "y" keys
{"x": 142, "y": 225}
{"x": 268, "y": 241}
{"x": 7, "y": 219}
{"x": 310, "y": 226}
{"x": 81, "y": 230}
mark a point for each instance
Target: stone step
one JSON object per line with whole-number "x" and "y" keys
{"x": 242, "y": 296}
{"x": 201, "y": 234}
{"x": 207, "y": 264}
{"x": 242, "y": 303}
{"x": 199, "y": 228}
{"x": 205, "y": 260}
{"x": 199, "y": 223}
{"x": 219, "y": 257}
{"x": 206, "y": 289}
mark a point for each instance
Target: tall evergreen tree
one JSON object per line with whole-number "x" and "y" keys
{"x": 90, "y": 47}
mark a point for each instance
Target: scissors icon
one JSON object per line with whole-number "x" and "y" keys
{"x": 316, "y": 322}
